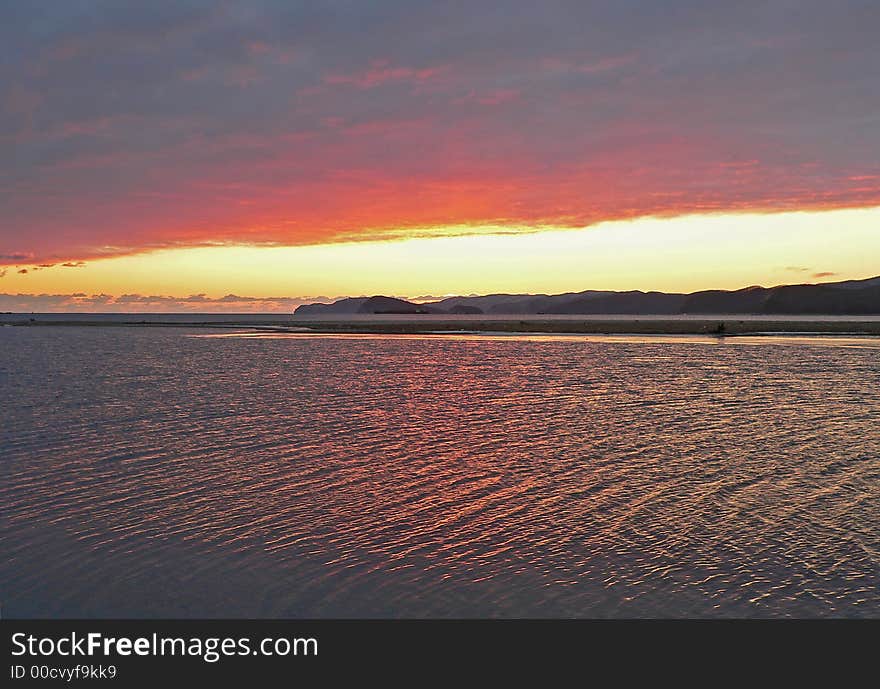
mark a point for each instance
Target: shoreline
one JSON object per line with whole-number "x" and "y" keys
{"x": 632, "y": 326}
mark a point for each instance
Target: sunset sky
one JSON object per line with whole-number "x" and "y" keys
{"x": 213, "y": 156}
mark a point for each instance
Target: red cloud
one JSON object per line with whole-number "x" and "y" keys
{"x": 297, "y": 126}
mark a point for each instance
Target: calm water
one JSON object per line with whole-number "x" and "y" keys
{"x": 286, "y": 318}
{"x": 158, "y": 473}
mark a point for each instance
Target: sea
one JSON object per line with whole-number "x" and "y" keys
{"x": 192, "y": 472}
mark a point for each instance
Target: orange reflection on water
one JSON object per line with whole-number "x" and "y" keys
{"x": 372, "y": 475}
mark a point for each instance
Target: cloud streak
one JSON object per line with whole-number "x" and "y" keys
{"x": 141, "y": 303}
{"x": 126, "y": 128}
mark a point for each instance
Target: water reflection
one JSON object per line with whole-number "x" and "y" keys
{"x": 147, "y": 472}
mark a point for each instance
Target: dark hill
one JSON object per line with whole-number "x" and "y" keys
{"x": 852, "y": 297}
{"x": 381, "y": 304}
{"x": 622, "y": 303}
{"x": 748, "y": 300}
{"x": 343, "y": 306}
{"x": 465, "y": 309}
{"x": 819, "y": 299}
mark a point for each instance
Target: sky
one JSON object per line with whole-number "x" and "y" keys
{"x": 251, "y": 156}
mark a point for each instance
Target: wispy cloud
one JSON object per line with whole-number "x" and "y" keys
{"x": 382, "y": 72}
{"x": 142, "y": 303}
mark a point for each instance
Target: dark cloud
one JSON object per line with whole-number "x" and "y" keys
{"x": 825, "y": 274}
{"x": 133, "y": 126}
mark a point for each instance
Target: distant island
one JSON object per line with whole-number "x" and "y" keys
{"x": 849, "y": 298}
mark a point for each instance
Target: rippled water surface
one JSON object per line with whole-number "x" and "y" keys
{"x": 150, "y": 472}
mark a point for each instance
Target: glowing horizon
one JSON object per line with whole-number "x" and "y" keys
{"x": 683, "y": 254}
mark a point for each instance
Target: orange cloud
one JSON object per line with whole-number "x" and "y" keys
{"x": 195, "y": 126}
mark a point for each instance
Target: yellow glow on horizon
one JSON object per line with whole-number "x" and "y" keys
{"x": 685, "y": 253}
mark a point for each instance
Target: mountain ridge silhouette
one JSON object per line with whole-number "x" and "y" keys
{"x": 849, "y": 297}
